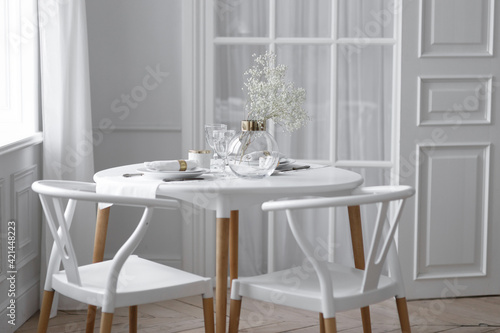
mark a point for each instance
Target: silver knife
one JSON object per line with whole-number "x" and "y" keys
{"x": 292, "y": 168}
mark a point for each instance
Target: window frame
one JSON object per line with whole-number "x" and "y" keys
{"x": 19, "y": 118}
{"x": 211, "y": 41}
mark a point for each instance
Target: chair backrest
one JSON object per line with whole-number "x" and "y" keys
{"x": 60, "y": 217}
{"x": 382, "y": 242}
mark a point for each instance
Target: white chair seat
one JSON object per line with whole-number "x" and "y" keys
{"x": 303, "y": 290}
{"x": 142, "y": 280}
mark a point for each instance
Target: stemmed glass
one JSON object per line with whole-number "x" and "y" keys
{"x": 221, "y": 143}
{"x": 209, "y": 136}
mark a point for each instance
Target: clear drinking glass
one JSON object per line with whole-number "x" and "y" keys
{"x": 209, "y": 135}
{"x": 221, "y": 143}
{"x": 216, "y": 164}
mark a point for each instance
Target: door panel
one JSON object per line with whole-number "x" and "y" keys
{"x": 447, "y": 100}
{"x": 459, "y": 200}
{"x": 450, "y": 69}
{"x": 456, "y": 28}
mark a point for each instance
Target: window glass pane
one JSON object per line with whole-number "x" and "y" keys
{"x": 366, "y": 18}
{"x": 308, "y": 67}
{"x": 231, "y": 61}
{"x": 364, "y": 102}
{"x": 239, "y": 18}
{"x": 303, "y": 18}
{"x": 12, "y": 58}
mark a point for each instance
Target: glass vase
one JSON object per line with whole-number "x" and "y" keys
{"x": 253, "y": 153}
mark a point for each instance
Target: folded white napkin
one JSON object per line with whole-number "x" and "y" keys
{"x": 256, "y": 155}
{"x": 172, "y": 165}
{"x": 139, "y": 187}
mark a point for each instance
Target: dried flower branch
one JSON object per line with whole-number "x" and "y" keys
{"x": 270, "y": 97}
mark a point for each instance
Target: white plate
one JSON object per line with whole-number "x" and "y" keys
{"x": 155, "y": 174}
{"x": 283, "y": 161}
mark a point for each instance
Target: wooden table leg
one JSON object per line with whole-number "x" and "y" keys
{"x": 233, "y": 246}
{"x": 234, "y": 316}
{"x": 359, "y": 256}
{"x": 101, "y": 231}
{"x": 222, "y": 246}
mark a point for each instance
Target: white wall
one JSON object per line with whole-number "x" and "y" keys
{"x": 136, "y": 114}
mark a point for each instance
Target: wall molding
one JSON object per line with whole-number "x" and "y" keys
{"x": 457, "y": 114}
{"x": 430, "y": 48}
{"x": 21, "y": 193}
{"x": 463, "y": 267}
{"x": 27, "y": 302}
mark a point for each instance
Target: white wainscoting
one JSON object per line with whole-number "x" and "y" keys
{"x": 19, "y": 168}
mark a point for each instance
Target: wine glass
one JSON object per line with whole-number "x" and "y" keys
{"x": 215, "y": 165}
{"x": 209, "y": 135}
{"x": 221, "y": 143}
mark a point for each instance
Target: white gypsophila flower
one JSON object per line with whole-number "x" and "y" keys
{"x": 270, "y": 97}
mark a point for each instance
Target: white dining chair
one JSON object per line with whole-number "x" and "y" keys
{"x": 334, "y": 287}
{"x": 125, "y": 280}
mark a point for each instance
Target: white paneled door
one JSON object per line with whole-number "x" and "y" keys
{"x": 449, "y": 147}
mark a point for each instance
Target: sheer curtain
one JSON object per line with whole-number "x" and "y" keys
{"x": 67, "y": 127}
{"x": 349, "y": 85}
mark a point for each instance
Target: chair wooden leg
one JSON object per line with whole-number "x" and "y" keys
{"x": 43, "y": 322}
{"x": 132, "y": 318}
{"x": 106, "y": 322}
{"x": 222, "y": 247}
{"x": 366, "y": 320}
{"x": 91, "y": 313}
{"x": 233, "y": 246}
{"x": 101, "y": 230}
{"x": 321, "y": 323}
{"x": 330, "y": 325}
{"x": 208, "y": 314}
{"x": 234, "y": 315}
{"x": 359, "y": 255}
{"x": 404, "y": 319}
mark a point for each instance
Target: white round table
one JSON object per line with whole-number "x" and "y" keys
{"x": 224, "y": 195}
{"x": 227, "y": 196}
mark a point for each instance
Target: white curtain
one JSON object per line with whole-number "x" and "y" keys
{"x": 67, "y": 125}
{"x": 363, "y": 105}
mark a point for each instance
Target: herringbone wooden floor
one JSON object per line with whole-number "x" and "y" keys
{"x": 460, "y": 315}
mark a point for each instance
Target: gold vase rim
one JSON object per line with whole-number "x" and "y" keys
{"x": 253, "y": 125}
